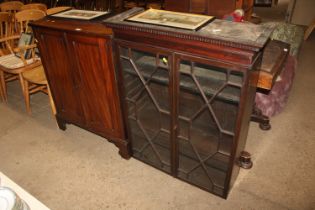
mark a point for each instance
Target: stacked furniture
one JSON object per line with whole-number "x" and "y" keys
{"x": 176, "y": 99}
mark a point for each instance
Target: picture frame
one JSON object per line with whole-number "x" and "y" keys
{"x": 80, "y": 14}
{"x": 25, "y": 39}
{"x": 171, "y": 19}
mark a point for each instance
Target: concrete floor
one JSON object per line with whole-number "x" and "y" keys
{"x": 77, "y": 170}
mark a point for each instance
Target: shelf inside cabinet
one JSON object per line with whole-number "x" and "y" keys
{"x": 210, "y": 80}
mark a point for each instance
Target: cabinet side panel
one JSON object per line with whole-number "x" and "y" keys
{"x": 55, "y": 58}
{"x": 240, "y": 144}
{"x": 97, "y": 81}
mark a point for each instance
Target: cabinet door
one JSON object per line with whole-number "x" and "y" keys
{"x": 208, "y": 108}
{"x": 145, "y": 72}
{"x": 92, "y": 59}
{"x": 59, "y": 71}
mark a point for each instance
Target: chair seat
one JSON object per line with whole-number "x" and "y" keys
{"x": 36, "y": 75}
{"x": 11, "y": 61}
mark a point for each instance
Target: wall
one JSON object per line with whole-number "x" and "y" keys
{"x": 301, "y": 12}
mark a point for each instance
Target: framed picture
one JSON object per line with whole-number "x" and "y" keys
{"x": 80, "y": 14}
{"x": 25, "y": 39}
{"x": 172, "y": 19}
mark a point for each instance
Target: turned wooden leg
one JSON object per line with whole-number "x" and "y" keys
{"x": 3, "y": 87}
{"x": 52, "y": 104}
{"x": 26, "y": 95}
{"x": 263, "y": 120}
{"x": 1, "y": 93}
{"x": 245, "y": 160}
{"x": 309, "y": 30}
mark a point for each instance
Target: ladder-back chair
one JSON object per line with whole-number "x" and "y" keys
{"x": 39, "y": 6}
{"x": 14, "y": 64}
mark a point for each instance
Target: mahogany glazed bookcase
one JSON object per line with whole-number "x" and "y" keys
{"x": 187, "y": 96}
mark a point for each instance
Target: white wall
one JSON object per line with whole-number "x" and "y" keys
{"x": 302, "y": 12}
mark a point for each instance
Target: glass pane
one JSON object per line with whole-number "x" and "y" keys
{"x": 146, "y": 79}
{"x": 208, "y": 108}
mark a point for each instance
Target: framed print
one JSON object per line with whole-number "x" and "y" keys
{"x": 171, "y": 19}
{"x": 80, "y": 14}
{"x": 25, "y": 39}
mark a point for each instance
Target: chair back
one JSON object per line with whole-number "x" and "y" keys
{"x": 54, "y": 10}
{"x": 5, "y": 24}
{"x": 11, "y": 6}
{"x": 25, "y": 16}
{"x": 39, "y": 6}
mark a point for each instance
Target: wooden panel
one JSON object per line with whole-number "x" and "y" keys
{"x": 59, "y": 73}
{"x": 273, "y": 59}
{"x": 96, "y": 82}
{"x": 198, "y": 6}
{"x": 178, "y": 6}
{"x": 219, "y": 8}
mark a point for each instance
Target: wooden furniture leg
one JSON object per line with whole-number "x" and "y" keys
{"x": 3, "y": 87}
{"x": 263, "y": 120}
{"x": 27, "y": 97}
{"x": 52, "y": 104}
{"x": 309, "y": 30}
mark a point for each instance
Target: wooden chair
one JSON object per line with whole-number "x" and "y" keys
{"x": 54, "y": 10}
{"x": 5, "y": 29}
{"x": 25, "y": 16}
{"x": 35, "y": 81}
{"x": 5, "y": 24}
{"x": 39, "y": 6}
{"x": 11, "y": 65}
{"x": 12, "y": 7}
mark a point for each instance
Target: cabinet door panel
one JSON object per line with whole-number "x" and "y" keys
{"x": 55, "y": 58}
{"x": 208, "y": 107}
{"x": 145, "y": 74}
{"x": 96, "y": 81}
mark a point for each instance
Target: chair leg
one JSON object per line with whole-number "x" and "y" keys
{"x": 309, "y": 30}
{"x": 3, "y": 87}
{"x": 26, "y": 95}
{"x": 24, "y": 86}
{"x": 1, "y": 93}
{"x": 52, "y": 104}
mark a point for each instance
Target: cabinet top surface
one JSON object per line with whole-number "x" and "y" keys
{"x": 225, "y": 32}
{"x": 94, "y": 27}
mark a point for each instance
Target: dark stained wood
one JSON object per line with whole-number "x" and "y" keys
{"x": 77, "y": 56}
{"x": 224, "y": 51}
{"x": 274, "y": 57}
{"x": 174, "y": 5}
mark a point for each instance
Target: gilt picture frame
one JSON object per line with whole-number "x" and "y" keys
{"x": 80, "y": 14}
{"x": 171, "y": 19}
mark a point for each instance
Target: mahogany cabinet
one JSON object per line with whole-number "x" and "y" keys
{"x": 216, "y": 8}
{"x": 188, "y": 95}
{"x": 77, "y": 57}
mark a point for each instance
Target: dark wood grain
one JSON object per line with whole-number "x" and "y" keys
{"x": 230, "y": 57}
{"x": 77, "y": 56}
